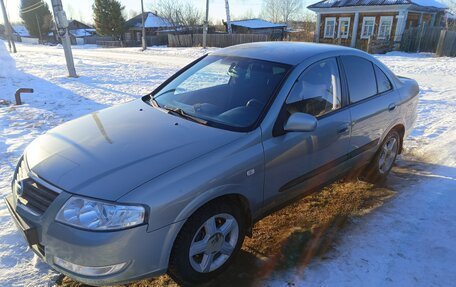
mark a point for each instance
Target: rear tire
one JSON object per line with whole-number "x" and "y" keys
{"x": 378, "y": 170}
{"x": 207, "y": 244}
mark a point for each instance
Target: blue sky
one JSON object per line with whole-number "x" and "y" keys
{"x": 82, "y": 9}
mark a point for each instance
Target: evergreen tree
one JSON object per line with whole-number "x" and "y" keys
{"x": 31, "y": 10}
{"x": 108, "y": 17}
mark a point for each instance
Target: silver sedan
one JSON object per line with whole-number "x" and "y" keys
{"x": 174, "y": 181}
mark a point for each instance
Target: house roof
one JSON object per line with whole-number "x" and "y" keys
{"x": 348, "y": 3}
{"x": 75, "y": 24}
{"x": 256, "y": 24}
{"x": 20, "y": 30}
{"x": 151, "y": 20}
{"x": 79, "y": 33}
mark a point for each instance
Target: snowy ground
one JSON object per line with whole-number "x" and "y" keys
{"x": 408, "y": 242}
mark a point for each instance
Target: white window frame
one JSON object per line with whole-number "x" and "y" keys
{"x": 385, "y": 18}
{"x": 327, "y": 19}
{"x": 365, "y": 19}
{"x": 347, "y": 19}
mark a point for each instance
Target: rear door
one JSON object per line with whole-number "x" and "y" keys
{"x": 295, "y": 162}
{"x": 372, "y": 105}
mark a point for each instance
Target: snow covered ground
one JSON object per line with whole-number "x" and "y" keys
{"x": 407, "y": 242}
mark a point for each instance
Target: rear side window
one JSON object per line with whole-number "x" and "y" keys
{"x": 361, "y": 79}
{"x": 383, "y": 83}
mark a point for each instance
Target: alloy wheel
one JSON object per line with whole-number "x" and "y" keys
{"x": 213, "y": 243}
{"x": 388, "y": 155}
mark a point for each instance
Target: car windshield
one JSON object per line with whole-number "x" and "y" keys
{"x": 222, "y": 91}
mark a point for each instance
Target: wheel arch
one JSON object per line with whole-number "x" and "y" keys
{"x": 396, "y": 126}
{"x": 400, "y": 128}
{"x": 197, "y": 204}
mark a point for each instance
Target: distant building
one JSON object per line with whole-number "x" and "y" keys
{"x": 78, "y": 31}
{"x": 21, "y": 34}
{"x": 152, "y": 22}
{"x": 353, "y": 22}
{"x": 258, "y": 26}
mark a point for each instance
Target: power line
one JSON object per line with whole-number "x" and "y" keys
{"x": 31, "y": 6}
{"x": 33, "y": 9}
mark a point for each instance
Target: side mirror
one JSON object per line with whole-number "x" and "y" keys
{"x": 300, "y": 122}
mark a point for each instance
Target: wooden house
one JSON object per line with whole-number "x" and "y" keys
{"x": 353, "y": 22}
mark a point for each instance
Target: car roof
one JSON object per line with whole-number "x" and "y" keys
{"x": 291, "y": 53}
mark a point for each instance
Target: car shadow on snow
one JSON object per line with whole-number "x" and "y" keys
{"x": 306, "y": 230}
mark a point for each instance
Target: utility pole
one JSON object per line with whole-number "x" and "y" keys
{"x": 228, "y": 17}
{"x": 143, "y": 38}
{"x": 206, "y": 25}
{"x": 39, "y": 27}
{"x": 62, "y": 30}
{"x": 8, "y": 29}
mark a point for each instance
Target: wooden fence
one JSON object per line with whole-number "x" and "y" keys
{"x": 214, "y": 40}
{"x": 447, "y": 44}
{"x": 94, "y": 39}
{"x": 429, "y": 39}
{"x": 110, "y": 44}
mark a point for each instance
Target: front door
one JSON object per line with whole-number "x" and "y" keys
{"x": 296, "y": 162}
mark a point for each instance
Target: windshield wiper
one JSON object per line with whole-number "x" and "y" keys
{"x": 180, "y": 112}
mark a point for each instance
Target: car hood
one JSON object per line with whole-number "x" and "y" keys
{"x": 110, "y": 152}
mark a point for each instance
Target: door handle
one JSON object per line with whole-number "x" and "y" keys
{"x": 391, "y": 107}
{"x": 342, "y": 129}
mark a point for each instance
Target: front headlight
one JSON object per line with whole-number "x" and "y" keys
{"x": 97, "y": 215}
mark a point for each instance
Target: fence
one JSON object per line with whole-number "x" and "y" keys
{"x": 110, "y": 44}
{"x": 95, "y": 39}
{"x": 158, "y": 40}
{"x": 429, "y": 39}
{"x": 214, "y": 40}
{"x": 447, "y": 44}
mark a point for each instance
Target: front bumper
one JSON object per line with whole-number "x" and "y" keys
{"x": 146, "y": 253}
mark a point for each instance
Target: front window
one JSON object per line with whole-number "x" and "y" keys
{"x": 344, "y": 26}
{"x": 384, "y": 29}
{"x": 368, "y": 27}
{"x": 317, "y": 91}
{"x": 330, "y": 25}
{"x": 226, "y": 92}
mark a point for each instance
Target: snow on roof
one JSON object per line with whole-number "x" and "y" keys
{"x": 155, "y": 21}
{"x": 347, "y": 3}
{"x": 21, "y": 30}
{"x": 429, "y": 3}
{"x": 151, "y": 20}
{"x": 256, "y": 24}
{"x": 82, "y": 32}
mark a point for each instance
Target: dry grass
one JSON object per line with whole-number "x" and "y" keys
{"x": 293, "y": 236}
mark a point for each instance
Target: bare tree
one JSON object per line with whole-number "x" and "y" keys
{"x": 179, "y": 14}
{"x": 271, "y": 10}
{"x": 281, "y": 10}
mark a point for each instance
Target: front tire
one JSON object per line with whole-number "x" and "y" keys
{"x": 384, "y": 159}
{"x": 207, "y": 244}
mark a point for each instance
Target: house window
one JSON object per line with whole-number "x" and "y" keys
{"x": 368, "y": 27}
{"x": 330, "y": 26}
{"x": 384, "y": 29}
{"x": 344, "y": 27}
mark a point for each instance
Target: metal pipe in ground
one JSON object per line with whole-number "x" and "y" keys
{"x": 20, "y": 91}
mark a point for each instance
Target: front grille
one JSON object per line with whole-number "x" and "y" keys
{"x": 31, "y": 194}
